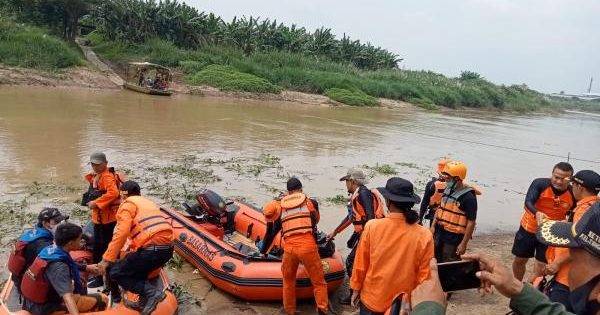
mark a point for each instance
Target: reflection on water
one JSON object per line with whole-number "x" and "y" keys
{"x": 49, "y": 133}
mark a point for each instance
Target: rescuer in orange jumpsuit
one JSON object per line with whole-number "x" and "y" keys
{"x": 297, "y": 215}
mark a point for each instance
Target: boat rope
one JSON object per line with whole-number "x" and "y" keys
{"x": 568, "y": 156}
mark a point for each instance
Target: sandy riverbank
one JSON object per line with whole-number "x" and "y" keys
{"x": 211, "y": 300}
{"x": 95, "y": 78}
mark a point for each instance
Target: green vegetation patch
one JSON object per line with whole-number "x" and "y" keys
{"x": 337, "y": 200}
{"x": 227, "y": 79}
{"x": 273, "y": 70}
{"x": 383, "y": 169}
{"x": 176, "y": 262}
{"x": 354, "y": 98}
{"x": 32, "y": 47}
{"x": 191, "y": 66}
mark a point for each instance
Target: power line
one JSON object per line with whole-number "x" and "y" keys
{"x": 569, "y": 157}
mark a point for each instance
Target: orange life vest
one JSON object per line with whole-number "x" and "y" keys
{"x": 359, "y": 215}
{"x": 94, "y": 192}
{"x": 436, "y": 199}
{"x": 555, "y": 207}
{"x": 296, "y": 210}
{"x": 449, "y": 215}
{"x": 148, "y": 221}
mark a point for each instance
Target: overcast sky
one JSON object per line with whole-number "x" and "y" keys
{"x": 550, "y": 45}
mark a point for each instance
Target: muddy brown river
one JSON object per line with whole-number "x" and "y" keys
{"x": 46, "y": 135}
{"x": 248, "y": 148}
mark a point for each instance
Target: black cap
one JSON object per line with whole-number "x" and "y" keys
{"x": 584, "y": 234}
{"x": 51, "y": 213}
{"x": 131, "y": 187}
{"x": 588, "y": 179}
{"x": 399, "y": 190}
{"x": 294, "y": 184}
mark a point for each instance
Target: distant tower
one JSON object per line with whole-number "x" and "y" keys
{"x": 590, "y": 87}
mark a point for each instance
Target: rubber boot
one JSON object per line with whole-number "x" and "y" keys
{"x": 347, "y": 300}
{"x": 152, "y": 295}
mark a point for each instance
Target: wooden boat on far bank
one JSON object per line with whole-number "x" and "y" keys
{"x": 148, "y": 78}
{"x": 147, "y": 90}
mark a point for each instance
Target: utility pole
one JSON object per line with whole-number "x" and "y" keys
{"x": 590, "y": 87}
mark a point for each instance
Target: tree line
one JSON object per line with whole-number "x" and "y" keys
{"x": 137, "y": 21}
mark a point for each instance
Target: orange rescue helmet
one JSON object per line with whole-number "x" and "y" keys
{"x": 456, "y": 169}
{"x": 441, "y": 165}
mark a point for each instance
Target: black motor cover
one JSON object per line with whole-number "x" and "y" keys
{"x": 211, "y": 202}
{"x": 326, "y": 248}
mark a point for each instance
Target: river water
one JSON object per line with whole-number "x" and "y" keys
{"x": 46, "y": 135}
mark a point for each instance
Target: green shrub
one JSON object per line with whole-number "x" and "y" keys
{"x": 227, "y": 79}
{"x": 165, "y": 53}
{"x": 191, "y": 66}
{"x": 95, "y": 38}
{"x": 31, "y": 47}
{"x": 355, "y": 97}
{"x": 424, "y": 103}
{"x": 271, "y": 70}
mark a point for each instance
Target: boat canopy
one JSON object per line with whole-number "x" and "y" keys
{"x": 148, "y": 65}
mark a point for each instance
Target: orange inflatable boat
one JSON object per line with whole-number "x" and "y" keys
{"x": 219, "y": 238}
{"x": 10, "y": 303}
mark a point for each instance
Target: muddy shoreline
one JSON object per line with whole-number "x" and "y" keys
{"x": 197, "y": 294}
{"x": 94, "y": 78}
{"x": 207, "y": 299}
{"x": 102, "y": 76}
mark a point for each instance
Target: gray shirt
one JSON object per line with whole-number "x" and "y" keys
{"x": 59, "y": 276}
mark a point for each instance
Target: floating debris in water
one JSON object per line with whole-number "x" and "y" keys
{"x": 337, "y": 200}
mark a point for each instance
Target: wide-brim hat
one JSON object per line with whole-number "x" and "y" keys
{"x": 399, "y": 190}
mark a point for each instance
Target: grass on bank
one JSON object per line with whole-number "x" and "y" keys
{"x": 302, "y": 73}
{"x": 228, "y": 79}
{"x": 577, "y": 104}
{"x": 32, "y": 47}
{"x": 355, "y": 98}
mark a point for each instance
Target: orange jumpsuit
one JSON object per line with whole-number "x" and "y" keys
{"x": 392, "y": 257}
{"x": 299, "y": 246}
{"x": 109, "y": 202}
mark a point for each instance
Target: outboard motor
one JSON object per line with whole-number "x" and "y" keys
{"x": 212, "y": 205}
{"x": 326, "y": 248}
{"x": 211, "y": 202}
